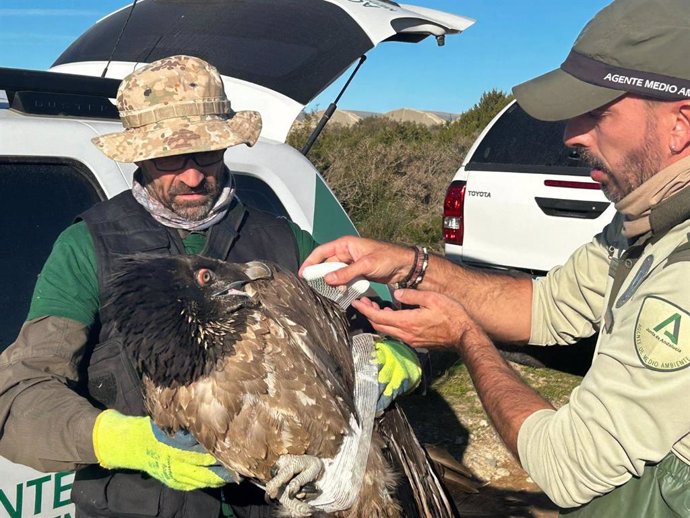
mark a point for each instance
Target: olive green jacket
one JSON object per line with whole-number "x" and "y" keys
{"x": 633, "y": 406}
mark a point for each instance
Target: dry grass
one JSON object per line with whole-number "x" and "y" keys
{"x": 394, "y": 191}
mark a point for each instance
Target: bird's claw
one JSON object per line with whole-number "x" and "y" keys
{"x": 293, "y": 482}
{"x": 308, "y": 491}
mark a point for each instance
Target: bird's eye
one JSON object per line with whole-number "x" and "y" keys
{"x": 205, "y": 277}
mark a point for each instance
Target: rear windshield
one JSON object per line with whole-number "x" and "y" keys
{"x": 517, "y": 142}
{"x": 38, "y": 200}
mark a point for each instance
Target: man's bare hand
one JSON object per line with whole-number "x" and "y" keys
{"x": 375, "y": 260}
{"x": 438, "y": 321}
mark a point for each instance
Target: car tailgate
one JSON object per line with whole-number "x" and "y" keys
{"x": 534, "y": 221}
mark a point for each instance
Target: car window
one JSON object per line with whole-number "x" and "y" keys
{"x": 517, "y": 142}
{"x": 256, "y": 193}
{"x": 38, "y": 199}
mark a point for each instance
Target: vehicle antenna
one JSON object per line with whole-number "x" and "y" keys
{"x": 331, "y": 108}
{"x": 117, "y": 41}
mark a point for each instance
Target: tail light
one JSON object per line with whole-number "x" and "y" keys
{"x": 453, "y": 225}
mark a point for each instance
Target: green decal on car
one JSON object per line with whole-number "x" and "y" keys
{"x": 38, "y": 495}
{"x": 331, "y": 222}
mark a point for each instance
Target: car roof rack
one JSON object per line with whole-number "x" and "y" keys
{"x": 39, "y": 92}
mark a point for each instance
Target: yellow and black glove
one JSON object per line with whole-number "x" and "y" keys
{"x": 180, "y": 462}
{"x": 399, "y": 371}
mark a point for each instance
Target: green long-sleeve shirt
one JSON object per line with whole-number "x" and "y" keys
{"x": 68, "y": 284}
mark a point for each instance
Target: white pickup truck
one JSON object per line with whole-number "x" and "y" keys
{"x": 521, "y": 199}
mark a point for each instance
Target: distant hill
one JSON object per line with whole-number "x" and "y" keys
{"x": 350, "y": 117}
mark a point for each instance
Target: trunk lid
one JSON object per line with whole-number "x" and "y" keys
{"x": 275, "y": 56}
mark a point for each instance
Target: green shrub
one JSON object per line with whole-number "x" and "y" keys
{"x": 391, "y": 177}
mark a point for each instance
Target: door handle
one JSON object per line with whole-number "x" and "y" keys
{"x": 580, "y": 209}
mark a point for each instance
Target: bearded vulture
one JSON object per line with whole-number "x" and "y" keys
{"x": 258, "y": 367}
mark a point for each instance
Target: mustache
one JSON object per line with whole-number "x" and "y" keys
{"x": 591, "y": 160}
{"x": 203, "y": 188}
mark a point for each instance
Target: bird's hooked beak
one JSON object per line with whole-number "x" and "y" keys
{"x": 255, "y": 270}
{"x": 231, "y": 289}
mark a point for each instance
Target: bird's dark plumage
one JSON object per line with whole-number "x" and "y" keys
{"x": 257, "y": 365}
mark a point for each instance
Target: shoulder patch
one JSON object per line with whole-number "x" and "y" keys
{"x": 662, "y": 335}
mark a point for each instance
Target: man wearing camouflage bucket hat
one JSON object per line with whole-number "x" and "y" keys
{"x": 178, "y": 123}
{"x": 621, "y": 446}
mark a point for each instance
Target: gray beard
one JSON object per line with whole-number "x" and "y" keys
{"x": 176, "y": 219}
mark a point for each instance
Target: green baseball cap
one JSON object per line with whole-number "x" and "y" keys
{"x": 630, "y": 46}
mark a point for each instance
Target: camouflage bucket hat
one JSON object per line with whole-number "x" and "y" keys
{"x": 630, "y": 46}
{"x": 173, "y": 106}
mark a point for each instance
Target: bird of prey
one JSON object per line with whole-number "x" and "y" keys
{"x": 257, "y": 366}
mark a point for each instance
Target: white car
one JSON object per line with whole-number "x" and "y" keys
{"x": 521, "y": 199}
{"x": 275, "y": 57}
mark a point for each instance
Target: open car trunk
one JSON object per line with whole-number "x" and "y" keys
{"x": 275, "y": 55}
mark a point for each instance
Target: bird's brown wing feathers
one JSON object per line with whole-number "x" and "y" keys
{"x": 286, "y": 387}
{"x": 316, "y": 325}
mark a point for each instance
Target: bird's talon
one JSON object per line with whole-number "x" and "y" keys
{"x": 293, "y": 482}
{"x": 292, "y": 489}
{"x": 308, "y": 491}
{"x": 274, "y": 495}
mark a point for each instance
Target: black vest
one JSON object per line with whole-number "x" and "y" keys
{"x": 121, "y": 226}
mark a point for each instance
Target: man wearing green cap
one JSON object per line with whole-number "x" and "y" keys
{"x": 68, "y": 395}
{"x": 621, "y": 446}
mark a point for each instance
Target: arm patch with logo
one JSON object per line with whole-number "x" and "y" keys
{"x": 662, "y": 335}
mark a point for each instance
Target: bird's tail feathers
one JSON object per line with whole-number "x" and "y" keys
{"x": 453, "y": 473}
{"x": 430, "y": 498}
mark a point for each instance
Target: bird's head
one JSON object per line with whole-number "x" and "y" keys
{"x": 179, "y": 314}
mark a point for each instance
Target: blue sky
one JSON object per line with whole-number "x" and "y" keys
{"x": 512, "y": 41}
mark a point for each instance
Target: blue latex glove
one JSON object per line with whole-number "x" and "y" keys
{"x": 399, "y": 371}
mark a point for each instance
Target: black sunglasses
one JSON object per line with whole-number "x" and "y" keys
{"x": 179, "y": 162}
